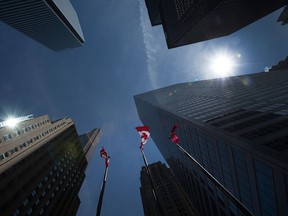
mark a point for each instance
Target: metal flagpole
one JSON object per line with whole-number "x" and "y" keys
{"x": 218, "y": 184}
{"x": 102, "y": 189}
{"x": 151, "y": 182}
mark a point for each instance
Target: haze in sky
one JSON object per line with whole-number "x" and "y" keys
{"x": 94, "y": 85}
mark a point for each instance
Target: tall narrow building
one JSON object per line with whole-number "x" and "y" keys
{"x": 191, "y": 21}
{"x": 53, "y": 23}
{"x": 171, "y": 197}
{"x": 236, "y": 128}
{"x": 42, "y": 165}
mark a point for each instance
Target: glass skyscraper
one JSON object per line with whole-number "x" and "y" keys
{"x": 53, "y": 23}
{"x": 190, "y": 21}
{"x": 171, "y": 197}
{"x": 236, "y": 128}
{"x": 42, "y": 166}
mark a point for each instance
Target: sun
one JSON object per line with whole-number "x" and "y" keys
{"x": 11, "y": 122}
{"x": 222, "y": 65}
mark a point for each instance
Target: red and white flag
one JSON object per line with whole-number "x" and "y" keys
{"x": 104, "y": 154}
{"x": 144, "y": 134}
{"x": 174, "y": 138}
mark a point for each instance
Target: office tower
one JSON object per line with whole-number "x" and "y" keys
{"x": 42, "y": 165}
{"x": 172, "y": 198}
{"x": 90, "y": 141}
{"x": 236, "y": 128}
{"x": 53, "y": 23}
{"x": 283, "y": 18}
{"x": 191, "y": 21}
{"x": 153, "y": 11}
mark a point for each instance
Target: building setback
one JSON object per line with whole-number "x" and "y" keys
{"x": 171, "y": 197}
{"x": 42, "y": 165}
{"x": 191, "y": 21}
{"x": 236, "y": 128}
{"x": 53, "y": 23}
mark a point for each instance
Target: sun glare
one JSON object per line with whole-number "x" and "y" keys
{"x": 222, "y": 65}
{"x": 11, "y": 122}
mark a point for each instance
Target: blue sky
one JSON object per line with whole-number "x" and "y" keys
{"x": 94, "y": 85}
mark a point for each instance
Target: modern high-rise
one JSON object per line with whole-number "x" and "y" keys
{"x": 171, "y": 197}
{"x": 236, "y": 128}
{"x": 53, "y": 23}
{"x": 283, "y": 18}
{"x": 191, "y": 21}
{"x": 153, "y": 11}
{"x": 42, "y": 166}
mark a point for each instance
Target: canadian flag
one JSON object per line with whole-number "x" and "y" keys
{"x": 144, "y": 134}
{"x": 104, "y": 154}
{"x": 174, "y": 138}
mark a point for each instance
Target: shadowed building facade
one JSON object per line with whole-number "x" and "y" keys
{"x": 42, "y": 165}
{"x": 283, "y": 18}
{"x": 172, "y": 198}
{"x": 236, "y": 128}
{"x": 191, "y": 21}
{"x": 53, "y": 23}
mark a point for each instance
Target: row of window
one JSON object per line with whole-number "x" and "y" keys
{"x": 24, "y": 130}
{"x": 29, "y": 142}
{"x": 57, "y": 174}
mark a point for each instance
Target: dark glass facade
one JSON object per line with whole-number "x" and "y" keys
{"x": 172, "y": 199}
{"x": 191, "y": 21}
{"x": 234, "y": 127}
{"x": 53, "y": 23}
{"x": 44, "y": 176}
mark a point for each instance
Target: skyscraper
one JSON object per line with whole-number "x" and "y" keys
{"x": 191, "y": 21}
{"x": 42, "y": 165}
{"x": 283, "y": 18}
{"x": 53, "y": 23}
{"x": 236, "y": 128}
{"x": 172, "y": 198}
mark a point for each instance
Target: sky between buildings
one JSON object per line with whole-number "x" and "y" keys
{"x": 122, "y": 56}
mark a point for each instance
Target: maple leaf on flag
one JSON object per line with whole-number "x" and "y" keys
{"x": 144, "y": 134}
{"x": 174, "y": 138}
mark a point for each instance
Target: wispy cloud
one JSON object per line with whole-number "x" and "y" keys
{"x": 151, "y": 48}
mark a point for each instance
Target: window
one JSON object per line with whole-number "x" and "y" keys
{"x": 25, "y": 202}
{"x": 29, "y": 212}
{"x": 47, "y": 202}
{"x": 7, "y": 137}
{"x": 243, "y": 179}
{"x": 41, "y": 211}
{"x": 33, "y": 193}
{"x": 16, "y": 212}
{"x": 266, "y": 191}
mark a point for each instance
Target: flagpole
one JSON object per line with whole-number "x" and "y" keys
{"x": 218, "y": 184}
{"x": 102, "y": 189}
{"x": 151, "y": 182}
